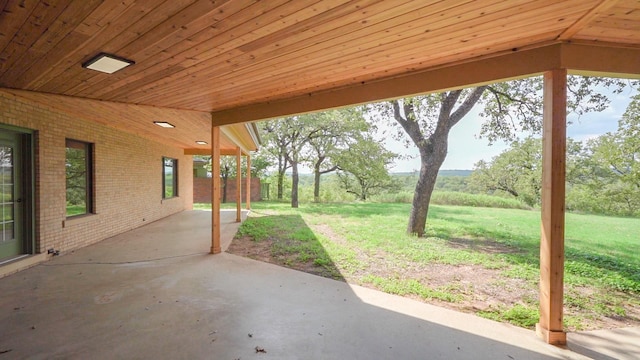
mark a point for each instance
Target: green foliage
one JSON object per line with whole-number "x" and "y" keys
{"x": 316, "y": 139}
{"x": 455, "y": 198}
{"x": 76, "y": 209}
{"x": 516, "y": 172}
{"x": 525, "y": 316}
{"x": 476, "y": 200}
{"x": 260, "y": 228}
{"x": 603, "y": 174}
{"x": 613, "y": 162}
{"x": 330, "y": 192}
{"x": 338, "y": 129}
{"x": 364, "y": 168}
{"x": 447, "y": 180}
{"x": 404, "y": 197}
{"x": 76, "y": 177}
{"x": 515, "y": 107}
{"x": 452, "y": 183}
{"x": 405, "y": 287}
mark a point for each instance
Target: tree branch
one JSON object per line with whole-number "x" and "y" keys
{"x": 466, "y": 105}
{"x": 411, "y": 127}
{"x": 334, "y": 168}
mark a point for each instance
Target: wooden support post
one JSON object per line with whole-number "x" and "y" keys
{"x": 550, "y": 327}
{"x": 248, "y": 190}
{"x": 215, "y": 190}
{"x": 238, "y": 184}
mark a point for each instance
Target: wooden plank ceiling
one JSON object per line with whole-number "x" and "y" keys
{"x": 212, "y": 55}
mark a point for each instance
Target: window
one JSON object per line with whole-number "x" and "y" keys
{"x": 169, "y": 178}
{"x": 79, "y": 173}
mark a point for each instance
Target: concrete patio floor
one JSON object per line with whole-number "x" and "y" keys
{"x": 155, "y": 292}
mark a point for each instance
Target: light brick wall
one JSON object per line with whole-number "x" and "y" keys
{"x": 127, "y": 177}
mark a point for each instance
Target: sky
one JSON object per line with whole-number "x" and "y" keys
{"x": 465, "y": 148}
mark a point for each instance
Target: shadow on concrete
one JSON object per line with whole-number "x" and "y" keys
{"x": 623, "y": 343}
{"x": 155, "y": 292}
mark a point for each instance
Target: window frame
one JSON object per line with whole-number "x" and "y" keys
{"x": 89, "y": 192}
{"x": 174, "y": 182}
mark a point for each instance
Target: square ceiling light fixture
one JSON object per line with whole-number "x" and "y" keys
{"x": 201, "y": 142}
{"x": 107, "y": 63}
{"x": 164, "y": 124}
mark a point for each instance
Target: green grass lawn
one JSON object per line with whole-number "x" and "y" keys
{"x": 366, "y": 243}
{"x": 76, "y": 210}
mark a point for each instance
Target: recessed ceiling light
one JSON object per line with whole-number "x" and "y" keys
{"x": 164, "y": 124}
{"x": 200, "y": 142}
{"x": 107, "y": 63}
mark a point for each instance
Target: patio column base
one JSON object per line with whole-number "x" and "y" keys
{"x": 216, "y": 250}
{"x": 553, "y": 337}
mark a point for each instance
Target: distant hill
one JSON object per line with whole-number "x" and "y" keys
{"x": 455, "y": 172}
{"x": 463, "y": 173}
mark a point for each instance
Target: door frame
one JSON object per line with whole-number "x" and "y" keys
{"x": 27, "y": 182}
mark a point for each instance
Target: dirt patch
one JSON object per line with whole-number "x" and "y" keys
{"x": 246, "y": 247}
{"x": 485, "y": 246}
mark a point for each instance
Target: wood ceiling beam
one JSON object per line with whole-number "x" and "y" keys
{"x": 597, "y": 59}
{"x": 207, "y": 152}
{"x": 581, "y": 23}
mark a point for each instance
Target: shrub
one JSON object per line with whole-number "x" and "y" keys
{"x": 478, "y": 200}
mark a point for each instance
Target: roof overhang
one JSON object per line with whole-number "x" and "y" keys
{"x": 589, "y": 59}
{"x": 190, "y": 126}
{"x": 204, "y": 63}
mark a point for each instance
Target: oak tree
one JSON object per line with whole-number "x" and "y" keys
{"x": 508, "y": 109}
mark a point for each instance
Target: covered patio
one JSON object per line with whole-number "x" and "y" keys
{"x": 103, "y": 74}
{"x": 154, "y": 293}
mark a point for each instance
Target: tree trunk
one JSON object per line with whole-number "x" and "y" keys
{"x": 431, "y": 158}
{"x": 316, "y": 183}
{"x": 224, "y": 189}
{"x": 433, "y": 150}
{"x": 280, "y": 185}
{"x": 294, "y": 184}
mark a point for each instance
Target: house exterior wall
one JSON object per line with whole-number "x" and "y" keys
{"x": 202, "y": 190}
{"x": 127, "y": 177}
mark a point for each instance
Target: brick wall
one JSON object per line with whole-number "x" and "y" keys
{"x": 127, "y": 168}
{"x": 202, "y": 190}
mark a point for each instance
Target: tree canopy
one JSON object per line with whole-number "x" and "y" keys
{"x": 364, "y": 168}
{"x": 603, "y": 173}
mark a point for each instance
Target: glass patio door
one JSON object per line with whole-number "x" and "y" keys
{"x": 11, "y": 242}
